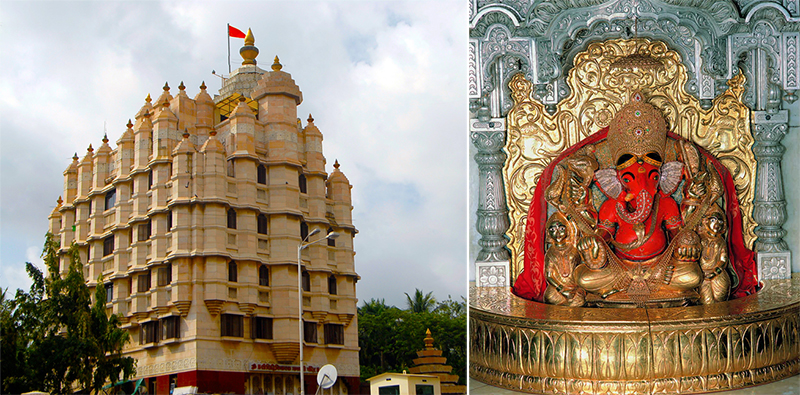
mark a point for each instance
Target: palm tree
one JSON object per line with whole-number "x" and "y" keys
{"x": 421, "y": 303}
{"x": 373, "y": 307}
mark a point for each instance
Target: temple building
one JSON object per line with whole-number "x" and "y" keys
{"x": 194, "y": 225}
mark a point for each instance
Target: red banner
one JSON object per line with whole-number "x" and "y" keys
{"x": 234, "y": 32}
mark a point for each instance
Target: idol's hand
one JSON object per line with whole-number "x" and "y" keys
{"x": 592, "y": 252}
{"x": 689, "y": 253}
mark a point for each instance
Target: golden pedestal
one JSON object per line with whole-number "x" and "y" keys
{"x": 533, "y": 347}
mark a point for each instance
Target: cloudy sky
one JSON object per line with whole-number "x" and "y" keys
{"x": 385, "y": 81}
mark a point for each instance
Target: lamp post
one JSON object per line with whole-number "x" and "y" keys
{"x": 300, "y": 247}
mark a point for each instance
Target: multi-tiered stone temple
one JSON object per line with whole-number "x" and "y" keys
{"x": 193, "y": 223}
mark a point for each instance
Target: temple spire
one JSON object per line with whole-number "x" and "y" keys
{"x": 249, "y": 51}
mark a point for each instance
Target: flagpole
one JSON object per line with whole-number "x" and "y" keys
{"x": 228, "y": 33}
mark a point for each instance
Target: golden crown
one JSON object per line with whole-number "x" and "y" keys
{"x": 638, "y": 129}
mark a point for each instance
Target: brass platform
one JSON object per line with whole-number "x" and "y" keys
{"x": 533, "y": 347}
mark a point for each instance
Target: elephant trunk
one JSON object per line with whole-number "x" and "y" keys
{"x": 643, "y": 204}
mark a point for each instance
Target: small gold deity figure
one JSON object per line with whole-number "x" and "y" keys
{"x": 714, "y": 260}
{"x": 560, "y": 261}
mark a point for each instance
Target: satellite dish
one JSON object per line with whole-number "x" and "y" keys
{"x": 326, "y": 377}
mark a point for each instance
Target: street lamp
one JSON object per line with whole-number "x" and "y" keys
{"x": 300, "y": 247}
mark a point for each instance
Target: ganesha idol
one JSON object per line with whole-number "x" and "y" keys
{"x": 635, "y": 215}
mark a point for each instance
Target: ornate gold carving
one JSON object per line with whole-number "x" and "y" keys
{"x": 597, "y": 93}
{"x": 533, "y": 347}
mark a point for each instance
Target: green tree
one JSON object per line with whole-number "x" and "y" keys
{"x": 57, "y": 340}
{"x": 373, "y": 307}
{"x": 389, "y": 337}
{"x": 421, "y": 302}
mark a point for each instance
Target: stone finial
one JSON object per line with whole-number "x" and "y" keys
{"x": 181, "y": 86}
{"x": 105, "y": 138}
{"x": 203, "y": 86}
{"x": 276, "y": 65}
{"x": 428, "y": 340}
{"x": 166, "y": 86}
{"x": 310, "y": 118}
{"x": 90, "y": 149}
{"x": 185, "y": 133}
{"x": 59, "y": 201}
{"x": 75, "y": 157}
{"x": 336, "y": 164}
{"x": 148, "y": 99}
{"x": 249, "y": 52}
{"x": 242, "y": 99}
{"x": 130, "y": 124}
{"x": 212, "y": 133}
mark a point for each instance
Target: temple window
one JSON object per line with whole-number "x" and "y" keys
{"x": 232, "y": 325}
{"x": 149, "y": 332}
{"x": 144, "y": 231}
{"x": 108, "y": 245}
{"x": 233, "y": 272}
{"x": 169, "y": 220}
{"x": 262, "y": 174}
{"x": 109, "y": 292}
{"x": 111, "y": 199}
{"x": 306, "y": 281}
{"x": 262, "y": 328}
{"x": 231, "y": 168}
{"x": 143, "y": 282}
{"x": 334, "y": 334}
{"x": 171, "y": 327}
{"x": 231, "y": 218}
{"x": 331, "y": 240}
{"x": 165, "y": 275}
{"x": 332, "y": 284}
{"x": 263, "y": 275}
{"x": 303, "y": 231}
{"x": 310, "y": 332}
{"x": 303, "y": 184}
{"x": 262, "y": 224}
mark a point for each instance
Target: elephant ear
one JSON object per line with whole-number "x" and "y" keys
{"x": 671, "y": 174}
{"x": 608, "y": 182}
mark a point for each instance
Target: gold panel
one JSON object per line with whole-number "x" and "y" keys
{"x": 597, "y": 92}
{"x": 534, "y": 347}
{"x": 226, "y": 106}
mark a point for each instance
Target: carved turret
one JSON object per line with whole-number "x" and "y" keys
{"x": 204, "y": 109}
{"x": 71, "y": 180}
{"x": 278, "y": 97}
{"x": 125, "y": 150}
{"x": 165, "y": 122}
{"x": 243, "y": 127}
{"x": 184, "y": 108}
{"x": 315, "y": 161}
{"x": 85, "y": 171}
{"x": 102, "y": 160}
{"x": 143, "y": 140}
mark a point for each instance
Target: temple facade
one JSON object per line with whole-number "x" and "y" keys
{"x": 194, "y": 224}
